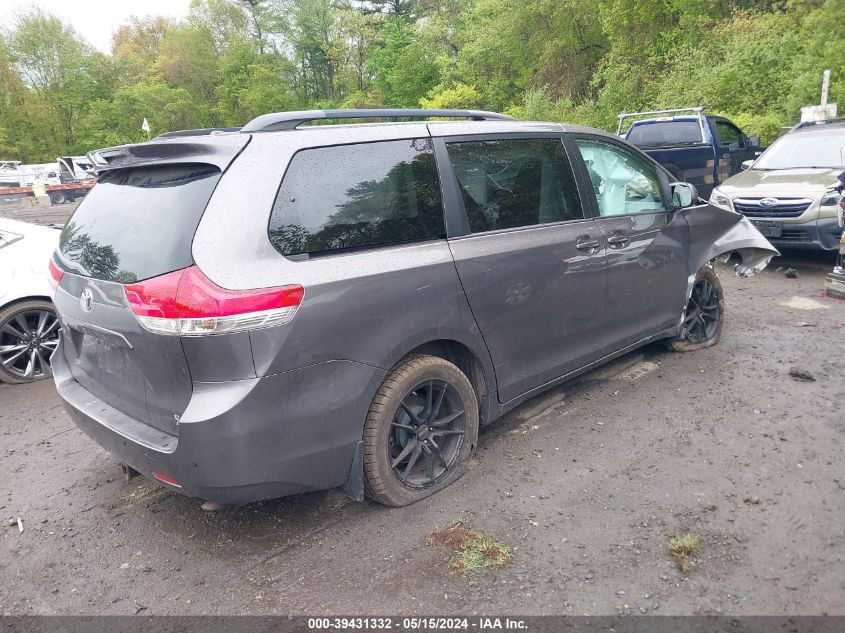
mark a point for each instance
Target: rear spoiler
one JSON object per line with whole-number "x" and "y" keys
{"x": 218, "y": 150}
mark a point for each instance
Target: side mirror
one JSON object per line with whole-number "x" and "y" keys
{"x": 683, "y": 195}
{"x": 754, "y": 141}
{"x": 746, "y": 164}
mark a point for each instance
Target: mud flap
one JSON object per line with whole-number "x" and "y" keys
{"x": 354, "y": 486}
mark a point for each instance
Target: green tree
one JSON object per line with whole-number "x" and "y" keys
{"x": 319, "y": 50}
{"x": 404, "y": 69}
{"x": 136, "y": 45}
{"x": 360, "y": 31}
{"x": 118, "y": 120}
{"x": 188, "y": 59}
{"x": 252, "y": 84}
{"x": 822, "y": 29}
{"x": 460, "y": 96}
{"x": 582, "y": 61}
{"x": 54, "y": 62}
{"x": 27, "y": 122}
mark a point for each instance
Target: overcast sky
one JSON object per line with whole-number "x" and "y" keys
{"x": 96, "y": 20}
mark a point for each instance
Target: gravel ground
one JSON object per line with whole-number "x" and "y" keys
{"x": 37, "y": 213}
{"x": 587, "y": 484}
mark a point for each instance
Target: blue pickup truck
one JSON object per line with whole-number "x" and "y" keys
{"x": 694, "y": 147}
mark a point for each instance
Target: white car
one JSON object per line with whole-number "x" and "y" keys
{"x": 29, "y": 329}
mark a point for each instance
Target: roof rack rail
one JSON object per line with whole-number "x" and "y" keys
{"x": 291, "y": 120}
{"x": 805, "y": 124}
{"x": 201, "y": 132}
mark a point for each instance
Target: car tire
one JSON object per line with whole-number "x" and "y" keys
{"x": 704, "y": 314}
{"x": 421, "y": 429}
{"x": 58, "y": 197}
{"x": 29, "y": 312}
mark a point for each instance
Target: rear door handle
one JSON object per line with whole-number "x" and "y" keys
{"x": 618, "y": 241}
{"x": 587, "y": 243}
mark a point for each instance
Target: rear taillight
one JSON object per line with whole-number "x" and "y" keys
{"x": 56, "y": 275}
{"x": 187, "y": 303}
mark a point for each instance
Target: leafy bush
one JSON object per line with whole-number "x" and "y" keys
{"x": 459, "y": 96}
{"x": 767, "y": 126}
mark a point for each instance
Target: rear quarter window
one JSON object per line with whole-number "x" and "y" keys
{"x": 357, "y": 196}
{"x": 138, "y": 222}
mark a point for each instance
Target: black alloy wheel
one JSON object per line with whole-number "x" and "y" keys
{"x": 427, "y": 434}
{"x": 421, "y": 430}
{"x": 29, "y": 334}
{"x": 704, "y": 312}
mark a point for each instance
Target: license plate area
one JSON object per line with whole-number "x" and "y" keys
{"x": 769, "y": 229}
{"x": 101, "y": 336}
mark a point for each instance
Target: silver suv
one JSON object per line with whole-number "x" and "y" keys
{"x": 789, "y": 193}
{"x": 254, "y": 313}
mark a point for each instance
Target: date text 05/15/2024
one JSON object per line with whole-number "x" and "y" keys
{"x": 416, "y": 624}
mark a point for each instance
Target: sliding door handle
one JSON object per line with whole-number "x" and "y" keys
{"x": 587, "y": 243}
{"x": 618, "y": 241}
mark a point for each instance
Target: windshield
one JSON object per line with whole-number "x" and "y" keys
{"x": 665, "y": 133}
{"x": 805, "y": 150}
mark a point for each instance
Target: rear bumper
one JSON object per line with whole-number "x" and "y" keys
{"x": 244, "y": 440}
{"x": 823, "y": 233}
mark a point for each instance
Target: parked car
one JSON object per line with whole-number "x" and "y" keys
{"x": 29, "y": 328}
{"x": 697, "y": 148}
{"x": 258, "y": 313}
{"x": 789, "y": 192}
{"x": 805, "y": 124}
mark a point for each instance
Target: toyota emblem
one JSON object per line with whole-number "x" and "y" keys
{"x": 85, "y": 298}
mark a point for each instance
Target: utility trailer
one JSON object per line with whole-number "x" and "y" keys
{"x": 65, "y": 180}
{"x": 59, "y": 194}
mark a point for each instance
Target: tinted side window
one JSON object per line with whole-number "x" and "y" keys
{"x": 512, "y": 183}
{"x": 623, "y": 182}
{"x": 729, "y": 134}
{"x": 354, "y": 196}
{"x": 138, "y": 222}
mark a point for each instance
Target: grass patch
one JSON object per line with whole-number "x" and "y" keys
{"x": 474, "y": 550}
{"x": 683, "y": 549}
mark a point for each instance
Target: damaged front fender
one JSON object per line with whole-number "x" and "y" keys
{"x": 715, "y": 232}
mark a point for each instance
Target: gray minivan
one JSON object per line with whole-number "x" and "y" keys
{"x": 253, "y": 313}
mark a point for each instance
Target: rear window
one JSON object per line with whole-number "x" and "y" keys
{"x": 665, "y": 133}
{"x": 138, "y": 223}
{"x": 356, "y": 196}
